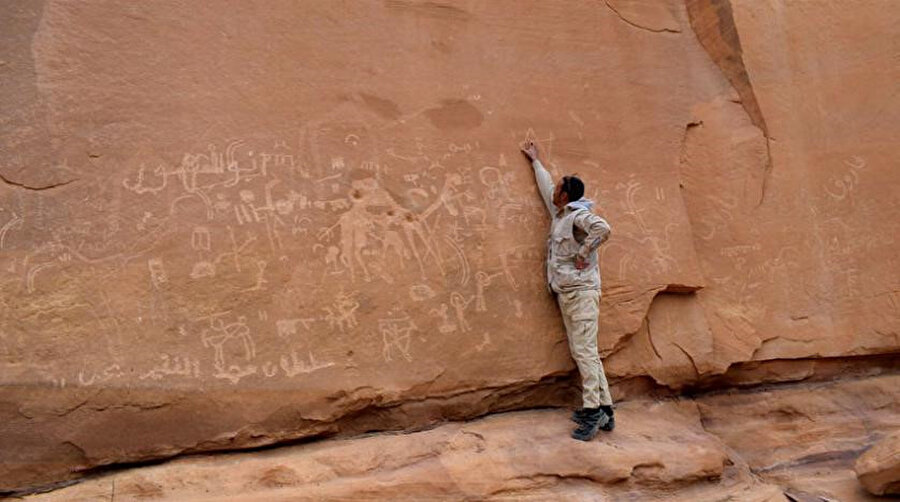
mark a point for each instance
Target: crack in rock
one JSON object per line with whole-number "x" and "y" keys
{"x": 690, "y": 358}
{"x": 650, "y": 339}
{"x": 713, "y": 24}
{"x": 638, "y": 26}
{"x": 34, "y": 188}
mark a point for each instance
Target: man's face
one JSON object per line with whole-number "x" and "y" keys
{"x": 560, "y": 198}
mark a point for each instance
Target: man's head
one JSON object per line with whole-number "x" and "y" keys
{"x": 569, "y": 189}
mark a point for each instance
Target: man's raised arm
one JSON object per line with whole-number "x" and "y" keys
{"x": 541, "y": 176}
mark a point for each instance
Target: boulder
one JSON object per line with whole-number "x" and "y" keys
{"x": 878, "y": 468}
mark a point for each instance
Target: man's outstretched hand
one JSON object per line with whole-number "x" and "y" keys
{"x": 530, "y": 151}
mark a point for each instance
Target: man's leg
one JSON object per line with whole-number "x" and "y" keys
{"x": 580, "y": 310}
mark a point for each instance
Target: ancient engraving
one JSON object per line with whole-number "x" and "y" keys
{"x": 185, "y": 366}
{"x": 342, "y": 313}
{"x": 396, "y": 333}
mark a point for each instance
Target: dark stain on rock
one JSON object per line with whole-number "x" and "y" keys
{"x": 455, "y": 114}
{"x": 279, "y": 477}
{"x": 713, "y": 24}
{"x": 441, "y": 46}
{"x": 383, "y": 107}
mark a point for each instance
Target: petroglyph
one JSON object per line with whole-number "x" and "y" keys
{"x": 631, "y": 189}
{"x": 218, "y": 334}
{"x": 342, "y": 313}
{"x": 841, "y": 186}
{"x": 293, "y": 365}
{"x": 449, "y": 197}
{"x": 717, "y": 218}
{"x": 507, "y": 271}
{"x": 236, "y": 250}
{"x": 269, "y": 369}
{"x": 376, "y": 230}
{"x": 396, "y": 333}
{"x": 459, "y": 304}
{"x": 203, "y": 269}
{"x": 462, "y": 260}
{"x": 200, "y": 239}
{"x": 421, "y": 292}
{"x": 32, "y": 274}
{"x": 234, "y": 373}
{"x": 184, "y": 366}
{"x": 201, "y": 242}
{"x": 288, "y": 328}
{"x": 138, "y": 185}
{"x": 740, "y": 249}
{"x": 15, "y": 221}
{"x": 110, "y": 372}
{"x": 446, "y": 325}
{"x": 334, "y": 205}
{"x": 482, "y": 280}
{"x": 209, "y": 176}
{"x": 496, "y": 181}
{"x": 158, "y": 274}
{"x": 260, "y": 275}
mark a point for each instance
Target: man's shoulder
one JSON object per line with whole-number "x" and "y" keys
{"x": 587, "y": 216}
{"x": 578, "y": 212}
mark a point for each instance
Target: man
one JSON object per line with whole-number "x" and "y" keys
{"x": 574, "y": 278}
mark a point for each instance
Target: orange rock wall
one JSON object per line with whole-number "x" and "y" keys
{"x": 225, "y": 224}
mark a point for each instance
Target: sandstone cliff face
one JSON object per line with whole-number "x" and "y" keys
{"x": 230, "y": 224}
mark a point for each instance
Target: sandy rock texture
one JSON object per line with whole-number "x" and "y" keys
{"x": 229, "y": 224}
{"x": 785, "y": 443}
{"x": 522, "y": 455}
{"x": 806, "y": 437}
{"x": 878, "y": 468}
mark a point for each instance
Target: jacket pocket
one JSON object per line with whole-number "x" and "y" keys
{"x": 565, "y": 273}
{"x": 563, "y": 247}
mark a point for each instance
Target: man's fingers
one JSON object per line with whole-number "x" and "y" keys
{"x": 529, "y": 149}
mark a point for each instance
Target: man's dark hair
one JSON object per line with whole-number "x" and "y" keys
{"x": 573, "y": 187}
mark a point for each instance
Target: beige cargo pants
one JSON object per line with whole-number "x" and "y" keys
{"x": 580, "y": 310}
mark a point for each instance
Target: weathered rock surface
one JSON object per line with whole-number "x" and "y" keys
{"x": 792, "y": 442}
{"x": 806, "y": 437}
{"x": 878, "y": 468}
{"x": 517, "y": 456}
{"x": 224, "y": 225}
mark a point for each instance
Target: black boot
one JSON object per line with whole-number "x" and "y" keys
{"x": 578, "y": 415}
{"x": 594, "y": 418}
{"x": 611, "y": 423}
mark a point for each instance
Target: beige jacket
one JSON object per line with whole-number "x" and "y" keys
{"x": 574, "y": 232}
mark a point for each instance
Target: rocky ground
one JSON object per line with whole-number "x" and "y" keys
{"x": 784, "y": 442}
